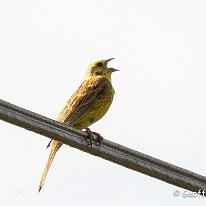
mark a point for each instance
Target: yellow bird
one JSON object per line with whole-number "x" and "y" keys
{"x": 89, "y": 103}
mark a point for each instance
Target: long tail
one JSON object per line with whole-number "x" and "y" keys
{"x": 55, "y": 147}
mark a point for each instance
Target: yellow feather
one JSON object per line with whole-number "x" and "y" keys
{"x": 89, "y": 103}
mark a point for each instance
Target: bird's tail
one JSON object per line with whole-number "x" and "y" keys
{"x": 55, "y": 146}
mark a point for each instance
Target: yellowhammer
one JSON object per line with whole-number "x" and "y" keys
{"x": 89, "y": 103}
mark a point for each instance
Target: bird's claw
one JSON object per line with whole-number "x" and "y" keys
{"x": 89, "y": 136}
{"x": 98, "y": 140}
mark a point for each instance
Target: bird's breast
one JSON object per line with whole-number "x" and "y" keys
{"x": 98, "y": 109}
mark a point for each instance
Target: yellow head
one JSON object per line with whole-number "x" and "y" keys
{"x": 99, "y": 68}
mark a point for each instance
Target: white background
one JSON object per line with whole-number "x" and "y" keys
{"x": 159, "y": 106}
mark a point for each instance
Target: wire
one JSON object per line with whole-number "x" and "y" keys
{"x": 110, "y": 151}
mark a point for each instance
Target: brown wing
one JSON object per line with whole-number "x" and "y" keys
{"x": 82, "y": 100}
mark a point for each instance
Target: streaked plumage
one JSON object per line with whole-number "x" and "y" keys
{"x": 87, "y": 105}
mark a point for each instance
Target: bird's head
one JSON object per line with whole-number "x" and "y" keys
{"x": 99, "y": 68}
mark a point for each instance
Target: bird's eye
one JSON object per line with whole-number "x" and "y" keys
{"x": 98, "y": 73}
{"x": 99, "y": 64}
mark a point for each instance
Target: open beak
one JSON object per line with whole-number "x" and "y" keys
{"x": 112, "y": 69}
{"x": 107, "y": 60}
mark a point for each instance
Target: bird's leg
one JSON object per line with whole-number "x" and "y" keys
{"x": 99, "y": 139}
{"x": 91, "y": 134}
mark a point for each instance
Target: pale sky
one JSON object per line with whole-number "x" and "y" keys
{"x": 159, "y": 107}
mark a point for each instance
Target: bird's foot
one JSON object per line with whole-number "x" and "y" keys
{"x": 99, "y": 139}
{"x": 91, "y": 138}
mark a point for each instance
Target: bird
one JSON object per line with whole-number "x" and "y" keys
{"x": 88, "y": 104}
